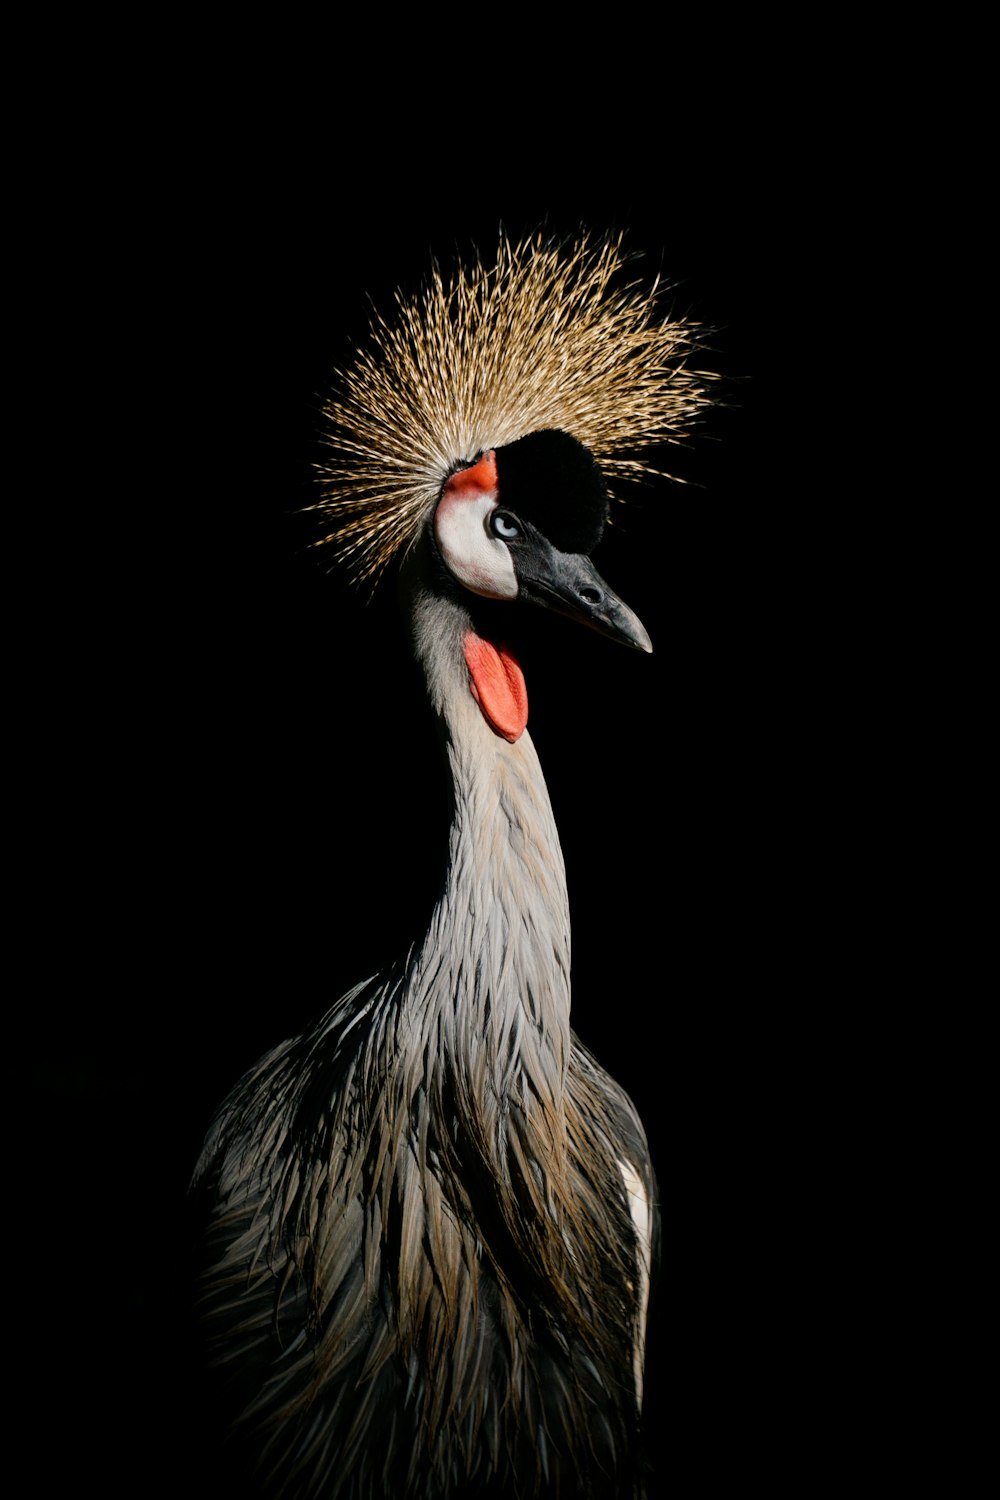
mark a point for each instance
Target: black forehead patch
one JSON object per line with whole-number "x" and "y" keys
{"x": 553, "y": 481}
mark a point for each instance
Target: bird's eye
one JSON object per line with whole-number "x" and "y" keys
{"x": 503, "y": 525}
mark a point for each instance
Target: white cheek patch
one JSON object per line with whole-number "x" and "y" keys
{"x": 479, "y": 561}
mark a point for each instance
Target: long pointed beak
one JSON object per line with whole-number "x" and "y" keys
{"x": 569, "y": 583}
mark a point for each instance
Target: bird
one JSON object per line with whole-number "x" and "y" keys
{"x": 428, "y": 1223}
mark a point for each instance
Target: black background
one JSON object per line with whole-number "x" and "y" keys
{"x": 237, "y": 819}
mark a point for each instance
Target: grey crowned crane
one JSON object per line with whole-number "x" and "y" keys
{"x": 429, "y": 1220}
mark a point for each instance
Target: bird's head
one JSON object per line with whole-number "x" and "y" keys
{"x": 482, "y": 421}
{"x": 519, "y": 523}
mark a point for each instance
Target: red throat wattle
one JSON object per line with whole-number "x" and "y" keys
{"x": 498, "y": 686}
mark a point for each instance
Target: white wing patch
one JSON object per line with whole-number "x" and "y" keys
{"x": 638, "y": 1204}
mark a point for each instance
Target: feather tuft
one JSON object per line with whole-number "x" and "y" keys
{"x": 553, "y": 335}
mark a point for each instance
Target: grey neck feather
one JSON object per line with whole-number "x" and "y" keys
{"x": 493, "y": 973}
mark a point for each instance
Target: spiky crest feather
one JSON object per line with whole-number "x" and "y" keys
{"x": 547, "y": 337}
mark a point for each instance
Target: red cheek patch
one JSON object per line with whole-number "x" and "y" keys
{"x": 498, "y": 686}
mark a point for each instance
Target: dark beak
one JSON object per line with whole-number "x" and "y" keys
{"x": 569, "y": 583}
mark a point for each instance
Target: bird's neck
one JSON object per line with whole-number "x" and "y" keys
{"x": 494, "y": 968}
